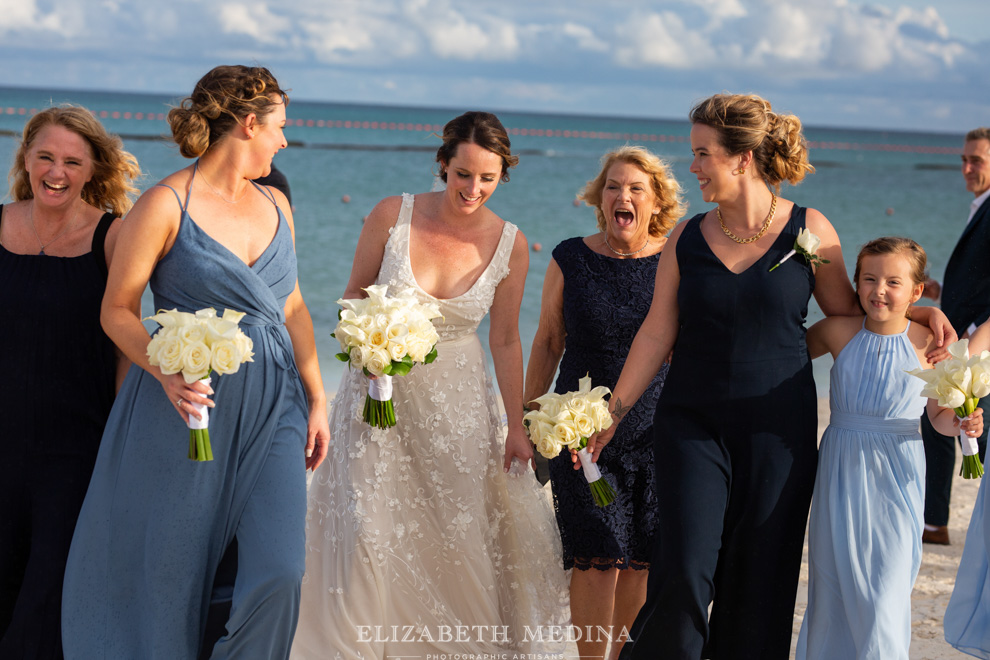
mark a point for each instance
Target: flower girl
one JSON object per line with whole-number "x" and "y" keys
{"x": 866, "y": 516}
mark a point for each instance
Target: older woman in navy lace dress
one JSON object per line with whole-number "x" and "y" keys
{"x": 596, "y": 294}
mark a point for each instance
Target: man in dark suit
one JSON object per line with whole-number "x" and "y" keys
{"x": 965, "y": 297}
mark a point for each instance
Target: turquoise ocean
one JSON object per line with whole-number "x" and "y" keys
{"x": 868, "y": 183}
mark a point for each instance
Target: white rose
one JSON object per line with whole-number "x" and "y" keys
{"x": 396, "y": 350}
{"x": 565, "y": 434}
{"x": 584, "y": 425}
{"x": 170, "y": 355}
{"x": 225, "y": 358}
{"x": 193, "y": 334}
{"x": 601, "y": 416}
{"x": 153, "y": 347}
{"x": 548, "y": 446}
{"x": 577, "y": 406}
{"x": 377, "y": 339}
{"x": 377, "y": 361}
{"x": 417, "y": 348}
{"x": 808, "y": 241}
{"x": 195, "y": 361}
{"x": 359, "y": 356}
{"x": 245, "y": 347}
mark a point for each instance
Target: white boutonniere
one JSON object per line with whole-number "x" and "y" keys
{"x": 806, "y": 244}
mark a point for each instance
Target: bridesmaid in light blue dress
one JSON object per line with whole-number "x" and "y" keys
{"x": 867, "y": 511}
{"x": 154, "y": 523}
{"x": 967, "y": 618}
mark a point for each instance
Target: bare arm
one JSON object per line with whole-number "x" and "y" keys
{"x": 109, "y": 244}
{"x": 944, "y": 420}
{"x": 371, "y": 246}
{"x": 833, "y": 291}
{"x": 652, "y": 344}
{"x": 299, "y": 325}
{"x": 548, "y": 344}
{"x": 506, "y": 347}
{"x": 144, "y": 239}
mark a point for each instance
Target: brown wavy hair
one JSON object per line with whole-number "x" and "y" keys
{"x": 746, "y": 122}
{"x": 114, "y": 170}
{"x": 665, "y": 187}
{"x": 480, "y": 128}
{"x": 221, "y": 100}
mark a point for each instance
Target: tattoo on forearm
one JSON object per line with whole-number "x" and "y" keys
{"x": 620, "y": 410}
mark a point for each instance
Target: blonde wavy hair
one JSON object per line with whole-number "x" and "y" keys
{"x": 665, "y": 187}
{"x": 114, "y": 170}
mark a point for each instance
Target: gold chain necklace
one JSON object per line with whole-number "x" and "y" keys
{"x": 626, "y": 254}
{"x": 62, "y": 233}
{"x": 763, "y": 229}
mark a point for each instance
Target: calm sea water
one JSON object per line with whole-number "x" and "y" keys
{"x": 868, "y": 183}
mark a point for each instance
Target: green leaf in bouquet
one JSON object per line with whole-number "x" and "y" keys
{"x": 401, "y": 368}
{"x": 431, "y": 356}
{"x": 343, "y": 357}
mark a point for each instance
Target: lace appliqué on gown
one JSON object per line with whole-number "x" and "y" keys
{"x": 417, "y": 540}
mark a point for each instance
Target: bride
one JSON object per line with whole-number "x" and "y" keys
{"x": 434, "y": 536}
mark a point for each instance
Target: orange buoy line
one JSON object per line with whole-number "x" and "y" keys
{"x": 530, "y": 132}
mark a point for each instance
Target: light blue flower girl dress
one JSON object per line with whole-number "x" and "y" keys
{"x": 867, "y": 511}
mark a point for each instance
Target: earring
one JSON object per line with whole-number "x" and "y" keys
{"x": 741, "y": 170}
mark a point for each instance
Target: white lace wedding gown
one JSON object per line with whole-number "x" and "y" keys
{"x": 417, "y": 541}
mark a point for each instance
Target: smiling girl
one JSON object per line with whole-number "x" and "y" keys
{"x": 866, "y": 517}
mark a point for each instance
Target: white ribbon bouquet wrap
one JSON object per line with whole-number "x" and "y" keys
{"x": 197, "y": 345}
{"x": 385, "y": 336}
{"x": 567, "y": 421}
{"x": 959, "y": 382}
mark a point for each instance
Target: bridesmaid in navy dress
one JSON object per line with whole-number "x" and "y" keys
{"x": 154, "y": 523}
{"x": 596, "y": 294}
{"x": 735, "y": 427}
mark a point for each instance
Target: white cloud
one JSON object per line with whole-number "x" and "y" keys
{"x": 24, "y": 15}
{"x": 584, "y": 37}
{"x": 253, "y": 20}
{"x": 661, "y": 40}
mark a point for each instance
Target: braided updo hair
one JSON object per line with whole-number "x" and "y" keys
{"x": 221, "y": 99}
{"x": 746, "y": 122}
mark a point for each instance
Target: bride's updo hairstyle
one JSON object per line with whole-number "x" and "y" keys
{"x": 746, "y": 122}
{"x": 221, "y": 99}
{"x": 480, "y": 128}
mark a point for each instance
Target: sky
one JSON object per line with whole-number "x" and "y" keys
{"x": 889, "y": 64}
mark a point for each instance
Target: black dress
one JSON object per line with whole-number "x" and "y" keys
{"x": 55, "y": 396}
{"x": 736, "y": 454}
{"x": 605, "y": 302}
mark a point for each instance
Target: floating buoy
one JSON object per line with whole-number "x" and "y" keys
{"x": 890, "y": 210}
{"x": 537, "y": 247}
{"x": 346, "y": 199}
{"x": 577, "y": 202}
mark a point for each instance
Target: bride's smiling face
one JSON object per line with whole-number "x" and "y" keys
{"x": 472, "y": 176}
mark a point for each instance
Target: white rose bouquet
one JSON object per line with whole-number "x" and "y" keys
{"x": 806, "y": 244}
{"x": 197, "y": 345}
{"x": 959, "y": 382}
{"x": 567, "y": 421}
{"x": 385, "y": 336}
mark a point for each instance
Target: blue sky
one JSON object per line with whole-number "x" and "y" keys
{"x": 898, "y": 64}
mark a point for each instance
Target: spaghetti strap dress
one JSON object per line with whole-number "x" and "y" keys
{"x": 52, "y": 419}
{"x": 154, "y": 523}
{"x": 864, "y": 544}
